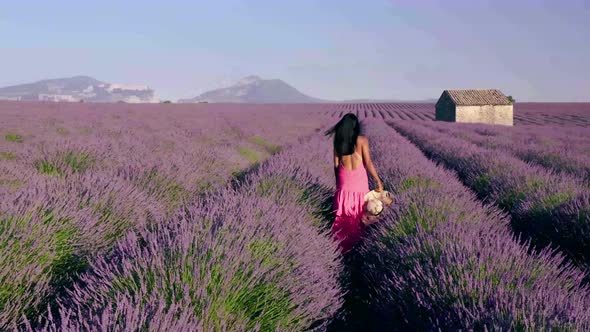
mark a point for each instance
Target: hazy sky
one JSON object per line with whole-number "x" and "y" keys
{"x": 333, "y": 49}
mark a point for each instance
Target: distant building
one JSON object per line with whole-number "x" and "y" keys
{"x": 10, "y": 98}
{"x": 474, "y": 106}
{"x": 56, "y": 97}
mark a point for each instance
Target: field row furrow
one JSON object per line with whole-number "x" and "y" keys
{"x": 439, "y": 259}
{"x": 567, "y": 159}
{"x": 388, "y": 114}
{"x": 531, "y": 114}
{"x": 257, "y": 251}
{"x": 548, "y": 207}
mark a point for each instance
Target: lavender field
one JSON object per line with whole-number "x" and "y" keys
{"x": 530, "y": 114}
{"x": 216, "y": 217}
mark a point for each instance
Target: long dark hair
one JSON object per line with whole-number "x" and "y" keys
{"x": 346, "y": 131}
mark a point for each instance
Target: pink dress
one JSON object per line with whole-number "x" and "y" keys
{"x": 351, "y": 187}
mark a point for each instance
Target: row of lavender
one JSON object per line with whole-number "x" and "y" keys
{"x": 439, "y": 259}
{"x": 243, "y": 258}
{"x": 135, "y": 248}
{"x": 564, "y": 150}
{"x": 536, "y": 114}
{"x": 182, "y": 150}
{"x": 105, "y": 246}
{"x": 548, "y": 207}
{"x": 570, "y": 114}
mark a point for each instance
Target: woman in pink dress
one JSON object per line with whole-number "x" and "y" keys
{"x": 352, "y": 160}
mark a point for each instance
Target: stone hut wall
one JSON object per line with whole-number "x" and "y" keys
{"x": 499, "y": 114}
{"x": 445, "y": 110}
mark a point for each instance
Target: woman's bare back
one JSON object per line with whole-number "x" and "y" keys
{"x": 360, "y": 156}
{"x": 354, "y": 160}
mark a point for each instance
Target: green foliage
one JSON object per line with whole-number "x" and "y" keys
{"x": 78, "y": 162}
{"x": 412, "y": 182}
{"x": 511, "y": 198}
{"x": 550, "y": 202}
{"x": 482, "y": 184}
{"x": 10, "y": 290}
{"x": 238, "y": 173}
{"x": 268, "y": 186}
{"x": 11, "y": 184}
{"x": 415, "y": 216}
{"x": 203, "y": 185}
{"x": 429, "y": 252}
{"x": 516, "y": 195}
{"x": 314, "y": 196}
{"x": 62, "y": 131}
{"x": 319, "y": 199}
{"x": 265, "y": 250}
{"x": 556, "y": 199}
{"x": 118, "y": 225}
{"x": 249, "y": 154}
{"x": 248, "y": 299}
{"x": 66, "y": 263}
{"x": 7, "y": 155}
{"x": 511, "y": 99}
{"x": 169, "y": 191}
{"x": 264, "y": 304}
{"x": 85, "y": 130}
{"x": 37, "y": 249}
{"x": 260, "y": 141}
{"x": 47, "y": 168}
{"x": 13, "y": 137}
{"x": 244, "y": 297}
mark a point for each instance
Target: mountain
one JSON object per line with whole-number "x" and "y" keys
{"x": 253, "y": 89}
{"x": 78, "y": 88}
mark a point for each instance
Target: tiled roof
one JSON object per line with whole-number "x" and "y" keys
{"x": 477, "y": 97}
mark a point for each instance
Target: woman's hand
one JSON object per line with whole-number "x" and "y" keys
{"x": 379, "y": 186}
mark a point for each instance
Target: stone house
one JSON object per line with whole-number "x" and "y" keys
{"x": 474, "y": 106}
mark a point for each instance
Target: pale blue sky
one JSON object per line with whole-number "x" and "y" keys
{"x": 534, "y": 50}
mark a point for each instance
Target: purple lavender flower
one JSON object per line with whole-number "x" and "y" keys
{"x": 440, "y": 259}
{"x": 530, "y": 193}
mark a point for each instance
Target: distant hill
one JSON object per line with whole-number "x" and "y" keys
{"x": 78, "y": 88}
{"x": 253, "y": 89}
{"x": 250, "y": 89}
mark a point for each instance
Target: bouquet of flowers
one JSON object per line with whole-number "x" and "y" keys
{"x": 375, "y": 204}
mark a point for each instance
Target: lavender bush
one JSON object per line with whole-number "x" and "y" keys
{"x": 127, "y": 315}
{"x": 302, "y": 174}
{"x": 258, "y": 262}
{"x": 243, "y": 260}
{"x": 533, "y": 195}
{"x": 37, "y": 255}
{"x": 537, "y": 147}
{"x": 50, "y": 230}
{"x": 169, "y": 151}
{"x": 173, "y": 217}
{"x": 568, "y": 114}
{"x": 441, "y": 260}
{"x": 115, "y": 171}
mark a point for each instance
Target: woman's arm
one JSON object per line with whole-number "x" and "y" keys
{"x": 369, "y": 164}
{"x": 336, "y": 164}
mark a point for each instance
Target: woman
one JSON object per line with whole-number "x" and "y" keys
{"x": 351, "y": 162}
